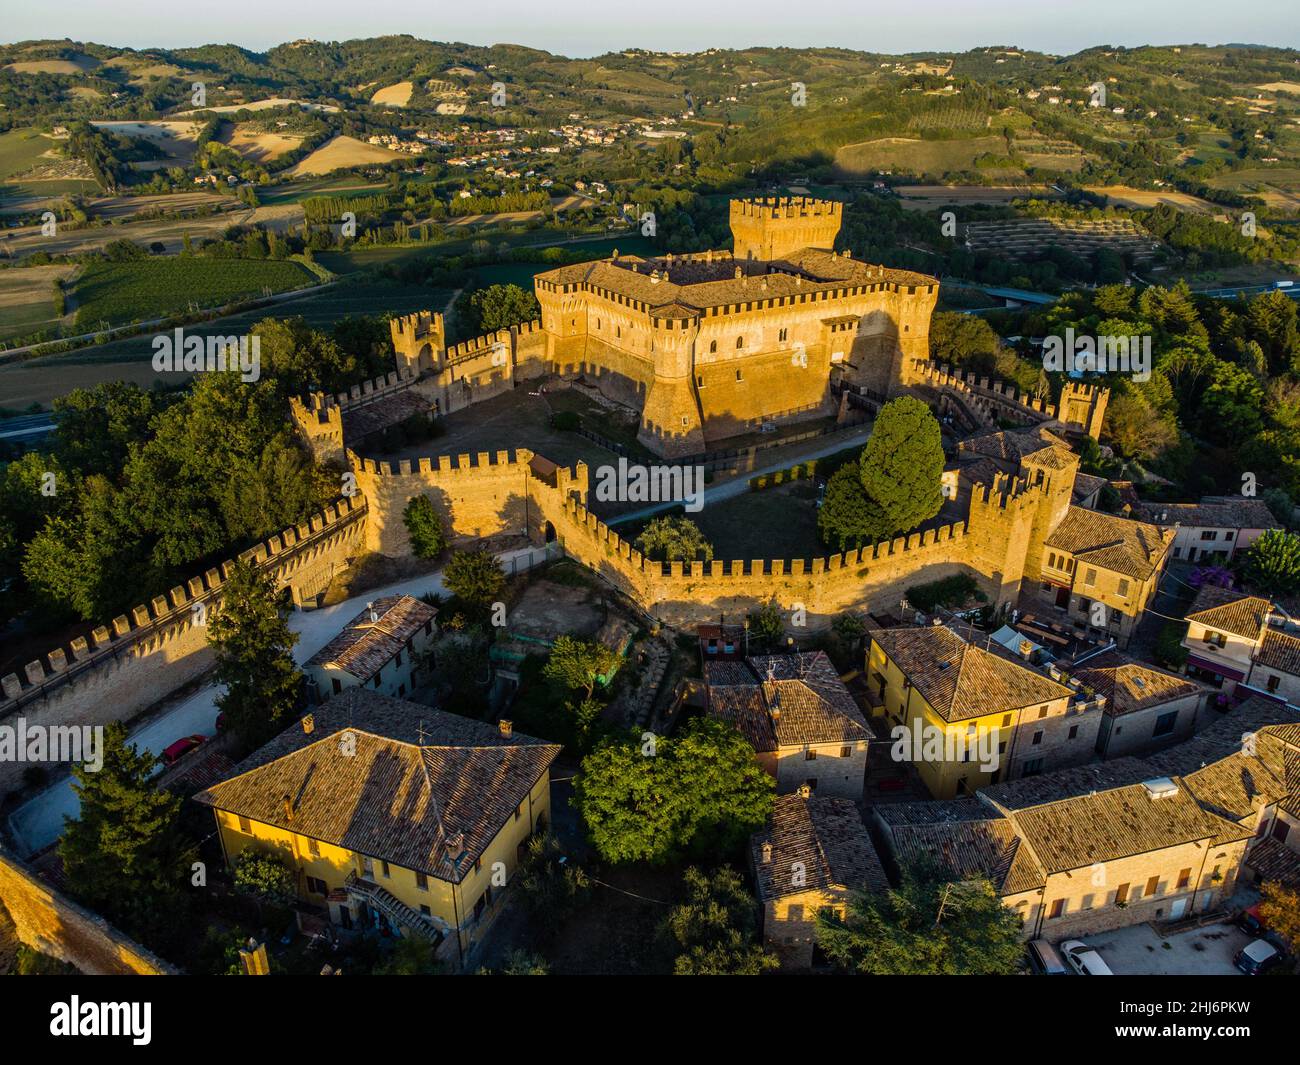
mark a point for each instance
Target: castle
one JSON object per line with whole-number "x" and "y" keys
{"x": 706, "y": 346}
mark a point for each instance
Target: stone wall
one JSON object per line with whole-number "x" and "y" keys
{"x": 50, "y": 922}
{"x": 476, "y": 495}
{"x": 122, "y": 668}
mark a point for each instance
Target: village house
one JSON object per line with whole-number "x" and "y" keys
{"x": 1146, "y": 707}
{"x": 1080, "y": 851}
{"x": 1246, "y": 767}
{"x": 813, "y": 854}
{"x": 1213, "y": 530}
{"x": 1225, "y": 629}
{"x": 798, "y": 716}
{"x": 391, "y": 815}
{"x": 1101, "y": 571}
{"x": 976, "y": 695}
{"x": 380, "y": 648}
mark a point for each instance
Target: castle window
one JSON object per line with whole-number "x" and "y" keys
{"x": 713, "y": 347}
{"x": 699, "y": 380}
{"x": 784, "y": 334}
{"x": 618, "y": 330}
{"x": 598, "y": 323}
{"x": 740, "y": 343}
{"x": 738, "y": 377}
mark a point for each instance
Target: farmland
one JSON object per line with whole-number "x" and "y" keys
{"x": 340, "y": 152}
{"x": 27, "y": 300}
{"x": 115, "y": 293}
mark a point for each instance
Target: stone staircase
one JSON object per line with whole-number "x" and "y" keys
{"x": 397, "y": 912}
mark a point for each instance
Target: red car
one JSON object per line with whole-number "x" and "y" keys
{"x": 176, "y": 751}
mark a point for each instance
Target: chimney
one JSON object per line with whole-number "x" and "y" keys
{"x": 288, "y": 806}
{"x": 309, "y": 724}
{"x": 767, "y": 853}
{"x": 506, "y": 726}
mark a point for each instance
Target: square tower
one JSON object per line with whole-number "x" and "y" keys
{"x": 774, "y": 228}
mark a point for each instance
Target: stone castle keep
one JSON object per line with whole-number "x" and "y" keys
{"x": 706, "y": 345}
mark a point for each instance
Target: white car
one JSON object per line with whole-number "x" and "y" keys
{"x": 1083, "y": 959}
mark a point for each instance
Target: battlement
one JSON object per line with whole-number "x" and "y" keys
{"x": 464, "y": 463}
{"x": 931, "y": 373}
{"x": 776, "y": 207}
{"x": 468, "y": 349}
{"x": 183, "y": 606}
{"x": 416, "y": 326}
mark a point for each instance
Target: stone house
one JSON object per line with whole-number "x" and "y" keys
{"x": 1100, "y": 572}
{"x": 812, "y": 855}
{"x": 1213, "y": 530}
{"x": 1083, "y": 850}
{"x": 1146, "y": 707}
{"x": 800, "y": 718}
{"x": 380, "y": 648}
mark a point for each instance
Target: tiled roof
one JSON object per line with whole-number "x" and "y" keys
{"x": 1130, "y": 685}
{"x": 1219, "y": 512}
{"x": 1014, "y": 446}
{"x": 822, "y": 839}
{"x": 690, "y": 285}
{"x": 1121, "y": 545}
{"x": 1275, "y": 861}
{"x": 372, "y": 638}
{"x": 1280, "y": 651}
{"x": 961, "y": 680}
{"x": 1108, "y": 825}
{"x": 1068, "y": 783}
{"x": 421, "y": 788}
{"x": 967, "y": 808}
{"x": 1230, "y": 611}
{"x": 1085, "y": 484}
{"x": 988, "y": 846}
{"x": 783, "y": 700}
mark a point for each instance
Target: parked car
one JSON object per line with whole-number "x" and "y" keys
{"x": 176, "y": 751}
{"x": 1257, "y": 957}
{"x": 1083, "y": 959}
{"x": 1250, "y": 922}
{"x": 1046, "y": 960}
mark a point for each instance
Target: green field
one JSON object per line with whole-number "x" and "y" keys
{"x": 907, "y": 154}
{"x": 20, "y": 150}
{"x": 152, "y": 288}
{"x": 346, "y": 262}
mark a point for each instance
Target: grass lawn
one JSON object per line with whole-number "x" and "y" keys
{"x": 150, "y": 288}
{"x": 20, "y": 150}
{"x": 774, "y": 523}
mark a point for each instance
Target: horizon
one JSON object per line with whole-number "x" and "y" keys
{"x": 949, "y": 26}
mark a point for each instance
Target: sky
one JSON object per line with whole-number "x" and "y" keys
{"x": 591, "y": 27}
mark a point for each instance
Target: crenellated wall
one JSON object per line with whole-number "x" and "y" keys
{"x": 127, "y": 665}
{"x": 476, "y": 495}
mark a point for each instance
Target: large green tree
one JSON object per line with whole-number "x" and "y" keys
{"x": 902, "y": 468}
{"x": 846, "y": 519}
{"x": 474, "y": 577}
{"x": 658, "y": 799}
{"x": 496, "y": 307}
{"x": 932, "y": 924}
{"x": 123, "y": 855}
{"x": 716, "y": 927}
{"x": 1272, "y": 563}
{"x": 253, "y": 643}
{"x": 674, "y": 539}
{"x": 427, "y": 532}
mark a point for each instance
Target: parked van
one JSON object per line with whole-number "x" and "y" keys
{"x": 1083, "y": 959}
{"x": 1046, "y": 960}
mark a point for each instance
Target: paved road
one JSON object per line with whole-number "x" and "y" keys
{"x": 739, "y": 484}
{"x": 39, "y": 821}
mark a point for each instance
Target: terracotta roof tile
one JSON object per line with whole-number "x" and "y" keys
{"x": 1230, "y": 611}
{"x": 1130, "y": 685}
{"x": 961, "y": 680}
{"x": 823, "y": 839}
{"x": 409, "y": 784}
{"x": 1121, "y": 545}
{"x": 374, "y": 637}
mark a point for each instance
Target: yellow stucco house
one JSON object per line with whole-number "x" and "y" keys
{"x": 967, "y": 712}
{"x": 393, "y": 815}
{"x": 380, "y": 648}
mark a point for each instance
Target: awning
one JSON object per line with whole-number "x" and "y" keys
{"x": 1214, "y": 667}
